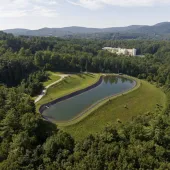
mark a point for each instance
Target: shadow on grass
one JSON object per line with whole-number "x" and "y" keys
{"x": 49, "y": 78}
{"x": 66, "y": 81}
{"x": 81, "y": 76}
{"x": 90, "y": 74}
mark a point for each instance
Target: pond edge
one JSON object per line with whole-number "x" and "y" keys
{"x": 100, "y": 103}
{"x": 68, "y": 96}
{"x": 93, "y": 107}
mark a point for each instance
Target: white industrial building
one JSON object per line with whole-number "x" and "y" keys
{"x": 119, "y": 51}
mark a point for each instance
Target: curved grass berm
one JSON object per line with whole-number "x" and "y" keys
{"x": 99, "y": 103}
{"x": 86, "y": 111}
{"x": 70, "y": 84}
{"x": 45, "y": 106}
{"x": 142, "y": 99}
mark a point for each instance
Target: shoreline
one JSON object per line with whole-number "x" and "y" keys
{"x": 96, "y": 105}
{"x": 43, "y": 93}
{"x": 90, "y": 109}
{"x": 68, "y": 96}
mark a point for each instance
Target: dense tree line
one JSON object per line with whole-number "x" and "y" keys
{"x": 29, "y": 142}
{"x": 33, "y": 84}
{"x": 21, "y": 56}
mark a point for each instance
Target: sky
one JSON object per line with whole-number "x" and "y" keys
{"x": 35, "y": 14}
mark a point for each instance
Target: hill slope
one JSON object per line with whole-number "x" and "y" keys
{"x": 137, "y": 104}
{"x": 160, "y": 28}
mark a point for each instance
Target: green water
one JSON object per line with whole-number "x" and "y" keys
{"x": 72, "y": 107}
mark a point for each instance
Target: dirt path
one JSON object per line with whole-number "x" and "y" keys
{"x": 45, "y": 90}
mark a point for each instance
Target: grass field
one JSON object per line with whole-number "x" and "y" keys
{"x": 52, "y": 78}
{"x": 139, "y": 101}
{"x": 68, "y": 85}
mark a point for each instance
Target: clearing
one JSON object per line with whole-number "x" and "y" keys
{"x": 121, "y": 109}
{"x": 72, "y": 83}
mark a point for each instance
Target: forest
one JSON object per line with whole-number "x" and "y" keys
{"x": 29, "y": 142}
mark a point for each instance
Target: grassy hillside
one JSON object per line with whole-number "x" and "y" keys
{"x": 121, "y": 109}
{"x": 52, "y": 78}
{"x": 68, "y": 85}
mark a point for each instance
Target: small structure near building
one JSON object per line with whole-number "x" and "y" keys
{"x": 121, "y": 51}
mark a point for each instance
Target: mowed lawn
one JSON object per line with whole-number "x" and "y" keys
{"x": 52, "y": 78}
{"x": 140, "y": 101}
{"x": 70, "y": 84}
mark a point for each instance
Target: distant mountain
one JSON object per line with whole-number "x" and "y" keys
{"x": 17, "y": 31}
{"x": 76, "y": 30}
{"x": 160, "y": 28}
{"x": 122, "y": 29}
{"x": 58, "y": 32}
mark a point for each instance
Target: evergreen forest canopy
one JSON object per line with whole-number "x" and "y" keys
{"x": 29, "y": 142}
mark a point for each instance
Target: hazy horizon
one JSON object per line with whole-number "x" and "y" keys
{"x": 83, "y": 26}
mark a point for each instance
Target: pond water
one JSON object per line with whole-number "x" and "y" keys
{"x": 72, "y": 107}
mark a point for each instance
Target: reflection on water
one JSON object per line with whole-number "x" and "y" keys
{"x": 70, "y": 108}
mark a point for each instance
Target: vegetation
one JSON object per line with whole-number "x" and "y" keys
{"x": 33, "y": 84}
{"x": 159, "y": 31}
{"x": 21, "y": 56}
{"x": 29, "y": 142}
{"x": 53, "y": 77}
{"x": 123, "y": 108}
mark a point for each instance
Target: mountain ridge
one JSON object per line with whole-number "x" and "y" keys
{"x": 159, "y": 28}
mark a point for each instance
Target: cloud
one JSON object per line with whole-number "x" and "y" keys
{"x": 97, "y": 4}
{"x": 48, "y": 8}
{"x": 90, "y": 4}
{"x": 12, "y": 14}
{"x": 21, "y": 8}
{"x": 43, "y": 11}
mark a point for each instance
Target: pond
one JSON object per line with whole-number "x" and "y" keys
{"x": 72, "y": 107}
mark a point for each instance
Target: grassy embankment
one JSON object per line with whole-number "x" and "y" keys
{"x": 70, "y": 84}
{"x": 140, "y": 100}
{"x": 52, "y": 78}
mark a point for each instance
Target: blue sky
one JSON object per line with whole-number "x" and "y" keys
{"x": 34, "y": 14}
